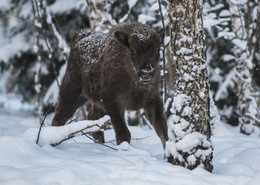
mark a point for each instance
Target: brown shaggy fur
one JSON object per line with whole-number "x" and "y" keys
{"x": 117, "y": 71}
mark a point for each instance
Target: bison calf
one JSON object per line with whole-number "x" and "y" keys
{"x": 117, "y": 71}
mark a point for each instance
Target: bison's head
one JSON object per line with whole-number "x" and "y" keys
{"x": 143, "y": 46}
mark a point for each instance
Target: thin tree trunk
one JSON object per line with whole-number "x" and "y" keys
{"x": 189, "y": 129}
{"x": 37, "y": 78}
{"x": 170, "y": 68}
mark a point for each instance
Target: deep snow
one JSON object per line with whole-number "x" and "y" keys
{"x": 80, "y": 161}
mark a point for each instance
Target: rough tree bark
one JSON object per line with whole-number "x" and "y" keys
{"x": 189, "y": 129}
{"x": 244, "y": 51}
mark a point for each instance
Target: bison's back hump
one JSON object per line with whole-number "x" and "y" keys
{"x": 89, "y": 44}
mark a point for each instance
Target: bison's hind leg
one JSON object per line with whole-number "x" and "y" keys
{"x": 70, "y": 99}
{"x": 64, "y": 111}
{"x": 96, "y": 113}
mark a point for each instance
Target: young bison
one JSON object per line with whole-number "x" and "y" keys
{"x": 117, "y": 71}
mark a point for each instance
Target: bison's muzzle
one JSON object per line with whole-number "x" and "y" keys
{"x": 145, "y": 74}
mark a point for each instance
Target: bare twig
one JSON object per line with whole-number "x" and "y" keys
{"x": 41, "y": 125}
{"x": 147, "y": 122}
{"x": 70, "y": 121}
{"x": 141, "y": 138}
{"x": 96, "y": 141}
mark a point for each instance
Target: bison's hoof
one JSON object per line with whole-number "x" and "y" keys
{"x": 124, "y": 146}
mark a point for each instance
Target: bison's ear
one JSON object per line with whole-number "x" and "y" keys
{"x": 161, "y": 33}
{"x": 122, "y": 38}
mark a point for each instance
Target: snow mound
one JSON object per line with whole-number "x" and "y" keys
{"x": 81, "y": 161}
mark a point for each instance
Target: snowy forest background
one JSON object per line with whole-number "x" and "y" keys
{"x": 32, "y": 61}
{"x": 34, "y": 48}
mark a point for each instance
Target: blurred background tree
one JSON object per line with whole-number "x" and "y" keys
{"x": 21, "y": 55}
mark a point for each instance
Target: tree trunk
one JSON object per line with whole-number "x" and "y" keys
{"x": 189, "y": 129}
{"x": 244, "y": 52}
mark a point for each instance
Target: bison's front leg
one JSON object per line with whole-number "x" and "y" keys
{"x": 154, "y": 111}
{"x": 117, "y": 118}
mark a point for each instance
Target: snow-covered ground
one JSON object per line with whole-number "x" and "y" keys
{"x": 80, "y": 161}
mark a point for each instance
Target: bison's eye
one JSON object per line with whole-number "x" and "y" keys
{"x": 132, "y": 51}
{"x": 133, "y": 55}
{"x": 157, "y": 54}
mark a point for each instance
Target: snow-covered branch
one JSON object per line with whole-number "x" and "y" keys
{"x": 99, "y": 18}
{"x": 229, "y": 81}
{"x": 54, "y": 136}
{"x": 63, "y": 46}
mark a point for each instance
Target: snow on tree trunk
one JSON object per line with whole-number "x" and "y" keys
{"x": 247, "y": 105}
{"x": 189, "y": 125}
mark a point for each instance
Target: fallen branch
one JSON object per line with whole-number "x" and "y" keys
{"x": 56, "y": 135}
{"x": 96, "y": 141}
